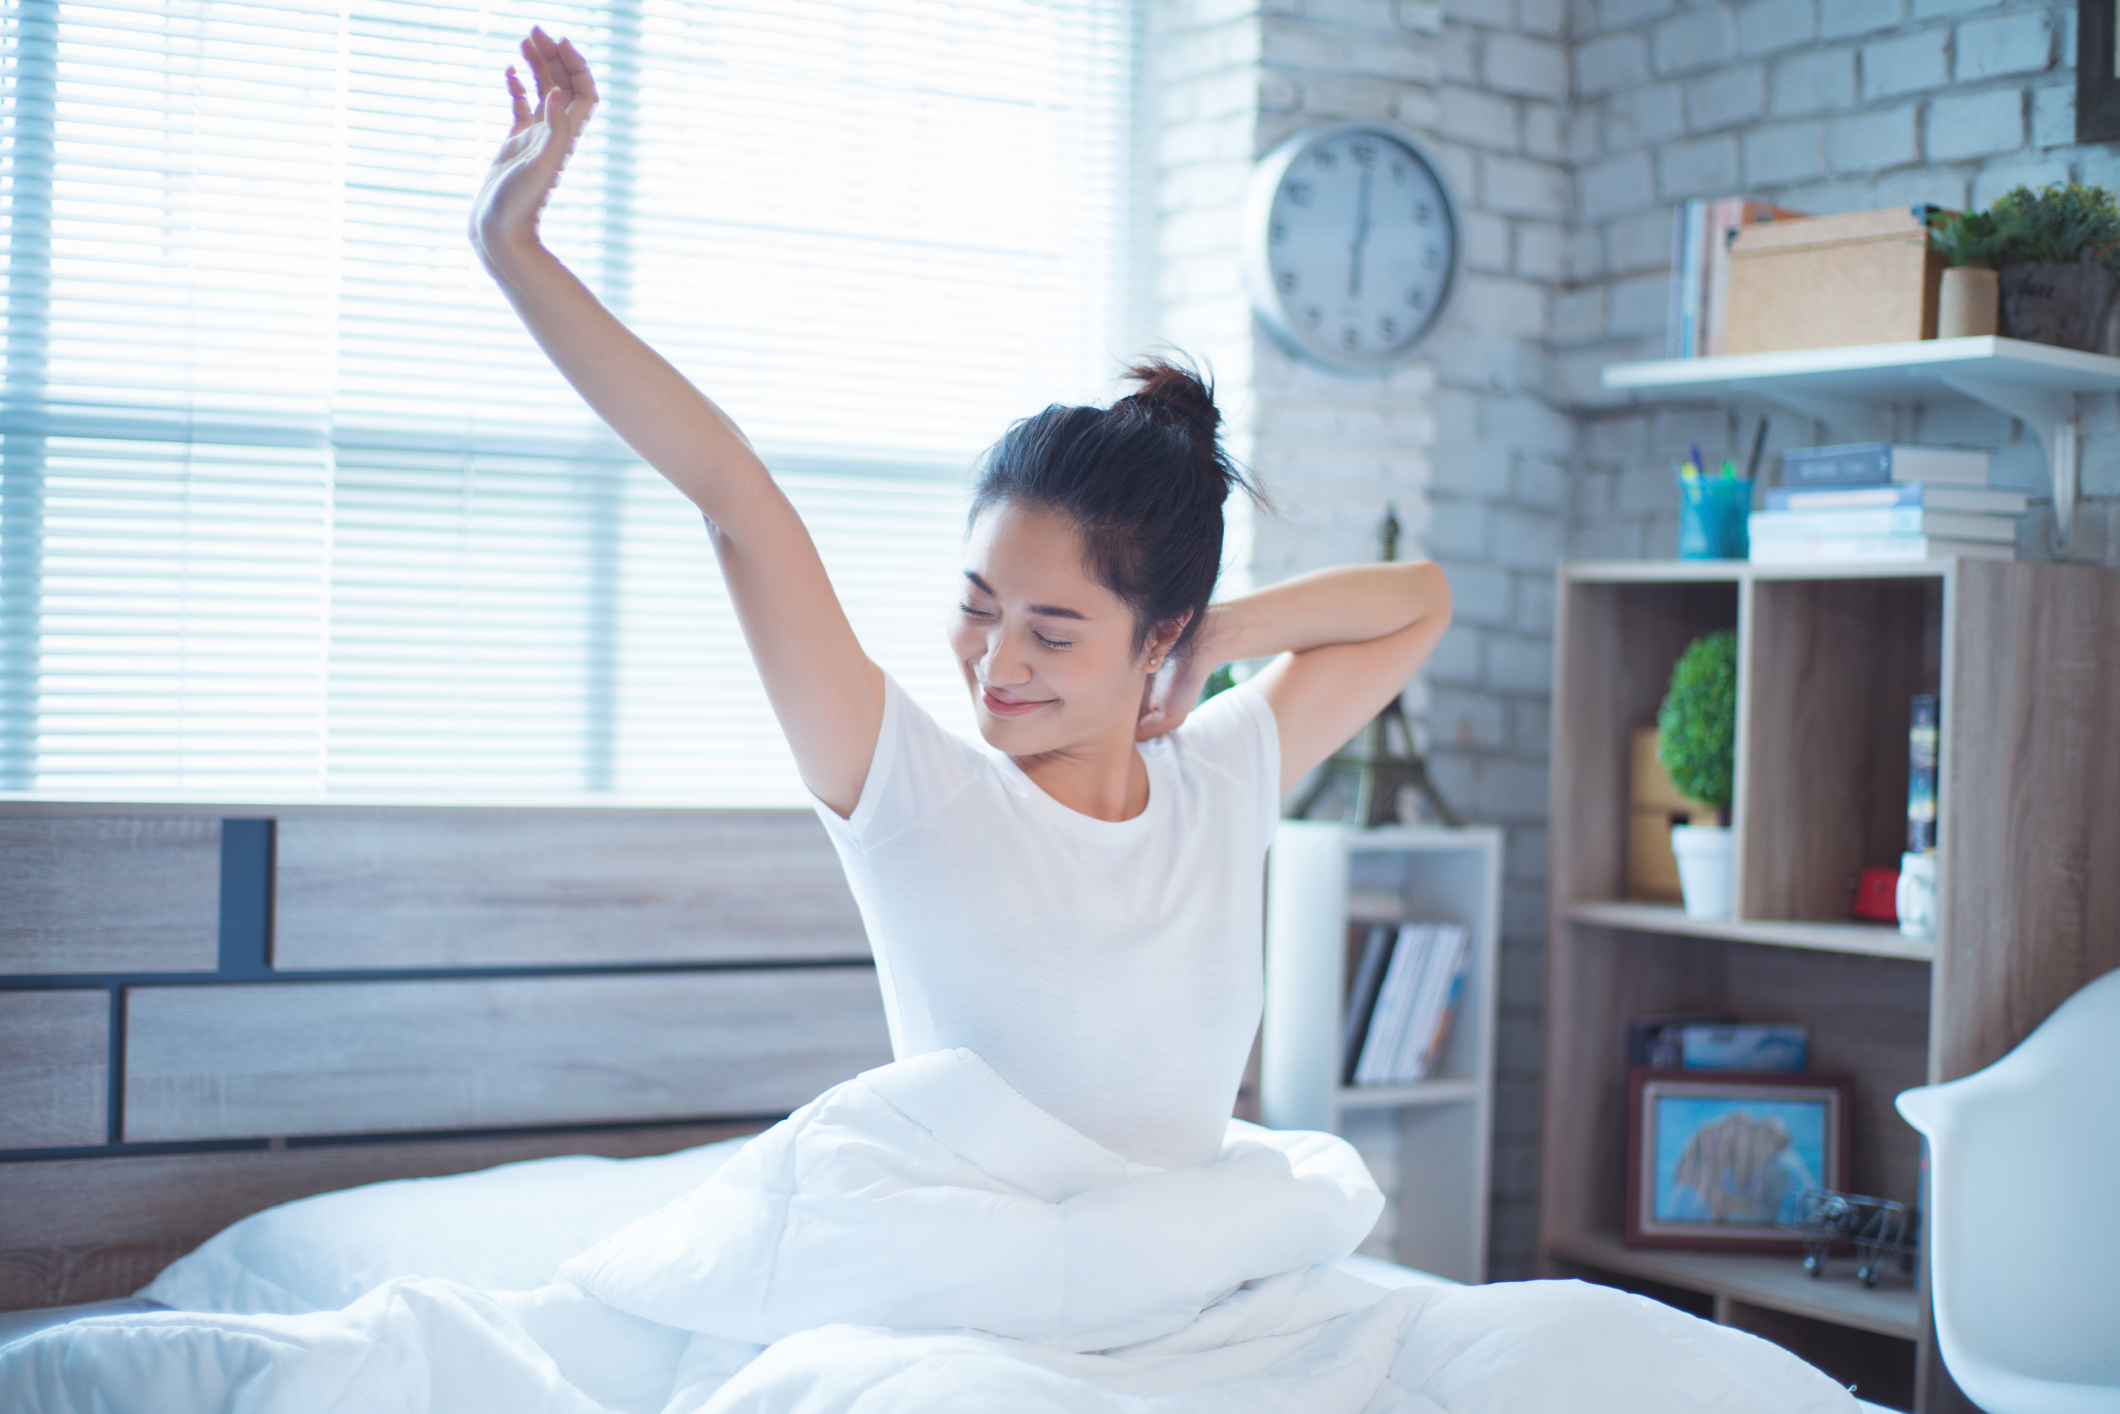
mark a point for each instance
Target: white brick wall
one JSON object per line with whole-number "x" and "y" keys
{"x": 1567, "y": 129}
{"x": 1868, "y": 103}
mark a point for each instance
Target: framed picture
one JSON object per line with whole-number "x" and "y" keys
{"x": 1719, "y": 1158}
{"x": 2097, "y": 71}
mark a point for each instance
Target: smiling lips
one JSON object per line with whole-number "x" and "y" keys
{"x": 1002, "y": 705}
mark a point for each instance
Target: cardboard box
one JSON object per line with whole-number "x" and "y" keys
{"x": 1868, "y": 277}
{"x": 1654, "y": 805}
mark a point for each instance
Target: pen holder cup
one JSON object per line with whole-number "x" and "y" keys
{"x": 1712, "y": 514}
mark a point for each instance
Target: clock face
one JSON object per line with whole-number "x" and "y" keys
{"x": 1354, "y": 245}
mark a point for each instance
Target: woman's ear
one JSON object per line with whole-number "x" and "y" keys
{"x": 1166, "y": 634}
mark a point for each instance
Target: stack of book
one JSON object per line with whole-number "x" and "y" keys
{"x": 1700, "y": 267}
{"x": 1406, "y": 990}
{"x": 1879, "y": 503}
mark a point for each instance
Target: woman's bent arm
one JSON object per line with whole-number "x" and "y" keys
{"x": 826, "y": 693}
{"x": 1348, "y": 639}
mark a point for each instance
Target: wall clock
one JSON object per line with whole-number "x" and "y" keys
{"x": 1350, "y": 244}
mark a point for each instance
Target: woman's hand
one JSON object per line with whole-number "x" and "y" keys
{"x": 504, "y": 217}
{"x": 1174, "y": 690}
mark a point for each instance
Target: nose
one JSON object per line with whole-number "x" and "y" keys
{"x": 1004, "y": 665}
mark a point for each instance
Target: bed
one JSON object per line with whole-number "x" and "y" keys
{"x": 416, "y": 1068}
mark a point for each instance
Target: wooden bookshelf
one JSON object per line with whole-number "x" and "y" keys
{"x": 2029, "y": 879}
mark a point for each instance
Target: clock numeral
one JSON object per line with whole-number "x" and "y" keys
{"x": 1423, "y": 213}
{"x": 1327, "y": 159}
{"x": 1300, "y": 193}
{"x": 1365, "y": 154}
{"x": 1398, "y": 171}
{"x": 1416, "y": 297}
{"x": 1288, "y": 281}
{"x": 1278, "y": 232}
{"x": 1351, "y": 338}
{"x": 1313, "y": 316}
{"x": 1431, "y": 258}
{"x": 1388, "y": 327}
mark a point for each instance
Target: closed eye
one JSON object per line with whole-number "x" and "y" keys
{"x": 973, "y": 613}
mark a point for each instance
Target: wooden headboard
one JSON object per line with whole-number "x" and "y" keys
{"x": 205, "y": 1011}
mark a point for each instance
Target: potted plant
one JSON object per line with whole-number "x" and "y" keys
{"x": 2053, "y": 250}
{"x": 1697, "y": 741}
{"x": 1968, "y": 304}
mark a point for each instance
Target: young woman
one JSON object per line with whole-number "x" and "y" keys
{"x": 1079, "y": 904}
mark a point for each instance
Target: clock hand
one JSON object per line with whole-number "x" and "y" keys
{"x": 1361, "y": 236}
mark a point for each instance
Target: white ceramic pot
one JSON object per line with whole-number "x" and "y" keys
{"x": 1917, "y": 895}
{"x": 1703, "y": 868}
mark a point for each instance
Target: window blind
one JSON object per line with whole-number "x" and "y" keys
{"x": 293, "y": 507}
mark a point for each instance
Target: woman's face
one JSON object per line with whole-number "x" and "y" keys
{"x": 1047, "y": 652}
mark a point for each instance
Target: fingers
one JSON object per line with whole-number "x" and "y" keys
{"x": 534, "y": 56}
{"x": 518, "y": 101}
{"x": 577, "y": 70}
{"x": 559, "y": 69}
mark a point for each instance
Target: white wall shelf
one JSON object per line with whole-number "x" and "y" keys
{"x": 1854, "y": 390}
{"x": 1323, "y": 877}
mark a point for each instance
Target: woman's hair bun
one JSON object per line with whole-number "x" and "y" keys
{"x": 1177, "y": 390}
{"x": 1176, "y": 395}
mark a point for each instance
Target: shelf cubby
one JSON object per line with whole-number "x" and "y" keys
{"x": 2028, "y": 876}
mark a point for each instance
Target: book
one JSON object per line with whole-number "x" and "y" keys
{"x": 1927, "y": 494}
{"x": 1880, "y": 464}
{"x": 1362, "y": 996}
{"x": 1922, "y": 740}
{"x": 1780, "y": 1047}
{"x": 1700, "y": 268}
{"x": 1882, "y": 520}
{"x": 1682, "y": 333}
{"x": 1394, "y": 1006}
{"x": 1442, "y": 984}
{"x": 1877, "y": 549}
{"x": 1655, "y": 1042}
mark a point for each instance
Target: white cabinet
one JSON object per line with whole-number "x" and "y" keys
{"x": 1324, "y": 879}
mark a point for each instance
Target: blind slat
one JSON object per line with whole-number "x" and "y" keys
{"x": 308, "y": 514}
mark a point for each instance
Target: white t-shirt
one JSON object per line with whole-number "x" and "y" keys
{"x": 1109, "y": 970}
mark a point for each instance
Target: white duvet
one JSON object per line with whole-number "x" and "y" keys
{"x": 923, "y": 1240}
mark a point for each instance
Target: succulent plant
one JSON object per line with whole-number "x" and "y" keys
{"x": 1697, "y": 723}
{"x": 2056, "y": 223}
{"x": 1971, "y": 239}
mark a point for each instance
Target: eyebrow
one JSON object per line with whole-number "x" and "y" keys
{"x": 1051, "y": 611}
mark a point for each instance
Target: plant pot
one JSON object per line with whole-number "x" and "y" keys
{"x": 1969, "y": 304}
{"x": 1703, "y": 853}
{"x": 2067, "y": 305}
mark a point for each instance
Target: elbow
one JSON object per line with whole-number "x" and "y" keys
{"x": 1431, "y": 594}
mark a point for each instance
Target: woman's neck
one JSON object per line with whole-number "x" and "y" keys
{"x": 1105, "y": 779}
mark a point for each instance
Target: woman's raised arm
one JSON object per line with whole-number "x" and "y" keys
{"x": 825, "y": 691}
{"x": 1349, "y": 638}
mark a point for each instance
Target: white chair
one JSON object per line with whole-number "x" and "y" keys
{"x": 2024, "y": 1215}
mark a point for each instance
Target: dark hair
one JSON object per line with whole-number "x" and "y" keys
{"x": 1143, "y": 481}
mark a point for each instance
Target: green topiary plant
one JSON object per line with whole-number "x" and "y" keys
{"x": 1697, "y": 723}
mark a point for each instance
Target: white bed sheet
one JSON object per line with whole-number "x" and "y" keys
{"x": 918, "y": 1241}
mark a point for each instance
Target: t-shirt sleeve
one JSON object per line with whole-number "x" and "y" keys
{"x": 919, "y": 767}
{"x": 1235, "y": 733}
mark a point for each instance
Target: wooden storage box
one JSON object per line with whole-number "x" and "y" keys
{"x": 1868, "y": 277}
{"x": 1654, "y": 805}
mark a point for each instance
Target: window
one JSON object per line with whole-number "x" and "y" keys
{"x": 293, "y": 507}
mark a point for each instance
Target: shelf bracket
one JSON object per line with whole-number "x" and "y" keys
{"x": 1845, "y": 418}
{"x": 2050, "y": 414}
